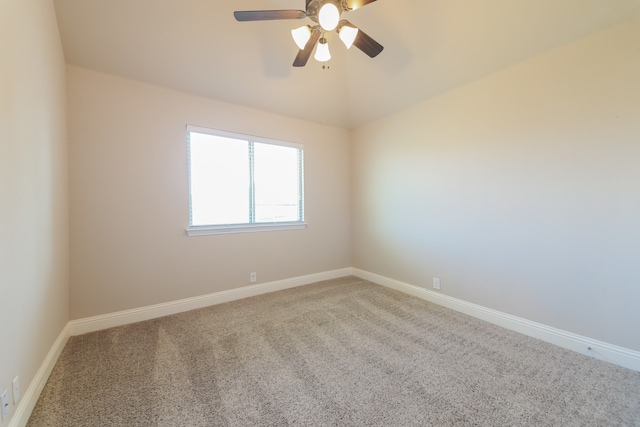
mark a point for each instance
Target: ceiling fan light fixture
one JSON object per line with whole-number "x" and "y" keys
{"x": 312, "y": 38}
{"x": 301, "y": 36}
{"x": 322, "y": 51}
{"x": 329, "y": 16}
{"x": 347, "y": 34}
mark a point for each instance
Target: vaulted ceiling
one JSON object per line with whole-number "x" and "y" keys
{"x": 431, "y": 46}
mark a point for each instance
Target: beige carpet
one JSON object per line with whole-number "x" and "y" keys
{"x": 344, "y": 352}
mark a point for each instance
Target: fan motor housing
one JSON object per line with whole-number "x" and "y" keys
{"x": 313, "y": 7}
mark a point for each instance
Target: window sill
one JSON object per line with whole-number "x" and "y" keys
{"x": 204, "y": 230}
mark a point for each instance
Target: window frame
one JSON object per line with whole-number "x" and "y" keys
{"x": 200, "y": 230}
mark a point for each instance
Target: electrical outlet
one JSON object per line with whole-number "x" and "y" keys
{"x": 436, "y": 283}
{"x": 253, "y": 277}
{"x": 16, "y": 390}
{"x": 4, "y": 401}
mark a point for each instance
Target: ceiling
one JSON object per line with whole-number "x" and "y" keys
{"x": 431, "y": 46}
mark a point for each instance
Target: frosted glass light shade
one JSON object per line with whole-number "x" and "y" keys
{"x": 301, "y": 36}
{"x": 329, "y": 16}
{"x": 322, "y": 51}
{"x": 347, "y": 35}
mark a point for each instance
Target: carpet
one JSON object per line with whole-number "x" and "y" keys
{"x": 343, "y": 352}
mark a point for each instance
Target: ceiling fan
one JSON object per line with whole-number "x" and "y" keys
{"x": 326, "y": 14}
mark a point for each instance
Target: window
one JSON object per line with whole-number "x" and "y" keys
{"x": 240, "y": 183}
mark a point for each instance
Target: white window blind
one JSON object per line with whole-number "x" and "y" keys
{"x": 240, "y": 183}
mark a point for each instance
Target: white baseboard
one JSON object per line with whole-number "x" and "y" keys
{"x": 600, "y": 350}
{"x": 105, "y": 321}
{"x": 30, "y": 397}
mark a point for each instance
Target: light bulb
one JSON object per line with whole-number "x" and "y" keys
{"x": 301, "y": 36}
{"x": 347, "y": 35}
{"x": 329, "y": 16}
{"x": 322, "y": 51}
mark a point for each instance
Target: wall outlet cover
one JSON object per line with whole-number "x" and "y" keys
{"x": 16, "y": 390}
{"x": 4, "y": 401}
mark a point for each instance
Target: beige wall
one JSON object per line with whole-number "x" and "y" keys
{"x": 129, "y": 198}
{"x": 521, "y": 191}
{"x": 33, "y": 188}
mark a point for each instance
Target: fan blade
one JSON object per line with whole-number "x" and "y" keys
{"x": 366, "y": 44}
{"x": 357, "y": 4}
{"x": 268, "y": 15}
{"x": 304, "y": 55}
